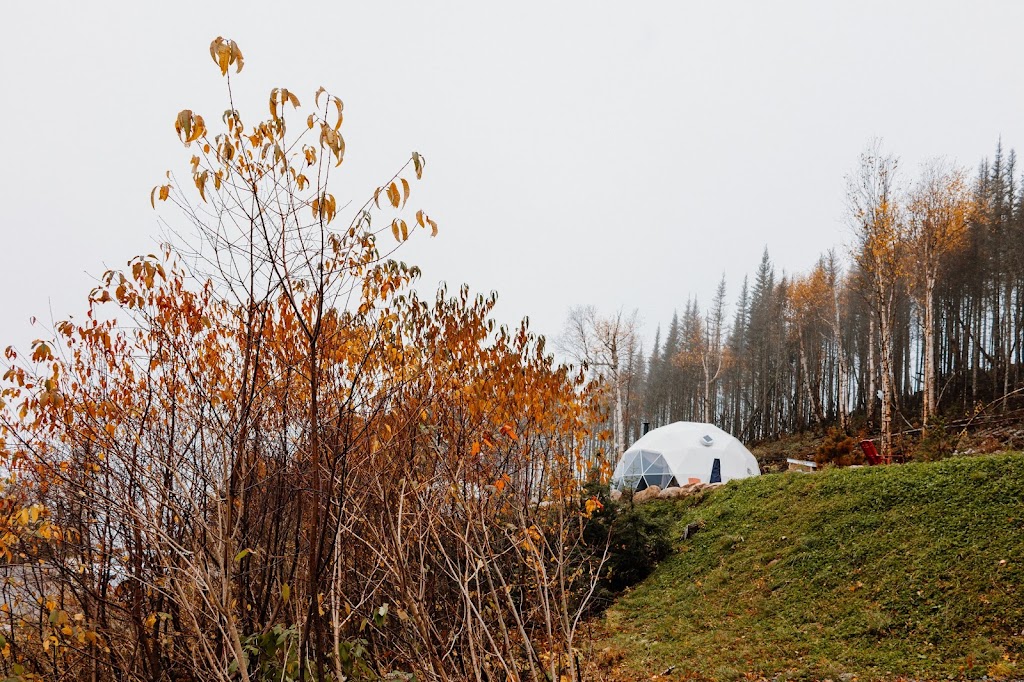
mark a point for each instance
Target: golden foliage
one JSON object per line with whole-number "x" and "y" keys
{"x": 291, "y": 439}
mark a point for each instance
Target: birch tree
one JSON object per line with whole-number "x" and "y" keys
{"x": 605, "y": 344}
{"x": 940, "y": 209}
{"x": 880, "y": 240}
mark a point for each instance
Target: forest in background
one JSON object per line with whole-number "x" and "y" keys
{"x": 918, "y": 322}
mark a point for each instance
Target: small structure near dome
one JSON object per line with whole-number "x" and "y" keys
{"x": 682, "y": 453}
{"x": 804, "y": 465}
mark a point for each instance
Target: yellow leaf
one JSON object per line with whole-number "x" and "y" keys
{"x": 395, "y": 230}
{"x": 224, "y": 53}
{"x": 273, "y": 103}
{"x": 405, "y": 191}
{"x": 183, "y": 123}
{"x": 330, "y": 206}
{"x": 189, "y": 127}
{"x": 236, "y": 55}
{"x": 198, "y": 128}
{"x": 340, "y": 152}
{"x": 200, "y": 179}
{"x": 339, "y": 106}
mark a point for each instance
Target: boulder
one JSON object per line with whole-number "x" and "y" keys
{"x": 615, "y": 494}
{"x": 648, "y": 493}
{"x": 672, "y": 493}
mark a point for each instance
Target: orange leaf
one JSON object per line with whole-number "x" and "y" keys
{"x": 339, "y": 106}
{"x": 508, "y": 432}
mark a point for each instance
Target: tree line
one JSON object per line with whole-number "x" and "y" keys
{"x": 919, "y": 319}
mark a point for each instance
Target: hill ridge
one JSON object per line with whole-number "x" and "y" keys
{"x": 914, "y": 570}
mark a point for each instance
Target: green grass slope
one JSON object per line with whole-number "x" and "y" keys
{"x": 913, "y": 570}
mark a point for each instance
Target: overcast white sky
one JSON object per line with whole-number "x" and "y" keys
{"x": 620, "y": 154}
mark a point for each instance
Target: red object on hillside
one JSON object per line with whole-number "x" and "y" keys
{"x": 870, "y": 452}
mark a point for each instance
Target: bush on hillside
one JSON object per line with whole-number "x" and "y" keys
{"x": 935, "y": 443}
{"x": 839, "y": 449}
{"x": 638, "y": 538}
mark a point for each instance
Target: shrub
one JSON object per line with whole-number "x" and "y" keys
{"x": 935, "y": 443}
{"x": 638, "y": 538}
{"x": 839, "y": 449}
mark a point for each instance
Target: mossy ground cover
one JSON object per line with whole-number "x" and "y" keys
{"x": 882, "y": 572}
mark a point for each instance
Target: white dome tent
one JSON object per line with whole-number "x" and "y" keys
{"x": 682, "y": 453}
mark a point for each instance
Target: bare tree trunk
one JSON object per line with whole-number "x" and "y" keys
{"x": 1007, "y": 349}
{"x": 928, "y": 407}
{"x": 869, "y": 403}
{"x": 707, "y": 396}
{"x": 886, "y": 356}
{"x": 812, "y": 394}
{"x": 842, "y": 398}
{"x": 620, "y": 436}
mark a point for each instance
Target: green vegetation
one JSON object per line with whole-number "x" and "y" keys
{"x": 913, "y": 570}
{"x": 638, "y": 537}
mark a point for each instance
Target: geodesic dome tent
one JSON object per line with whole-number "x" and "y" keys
{"x": 682, "y": 453}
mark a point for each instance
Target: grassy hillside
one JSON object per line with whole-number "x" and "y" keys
{"x": 913, "y": 570}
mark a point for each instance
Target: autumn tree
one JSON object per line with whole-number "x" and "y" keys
{"x": 808, "y": 298}
{"x": 939, "y": 212}
{"x": 879, "y": 226}
{"x": 272, "y": 459}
